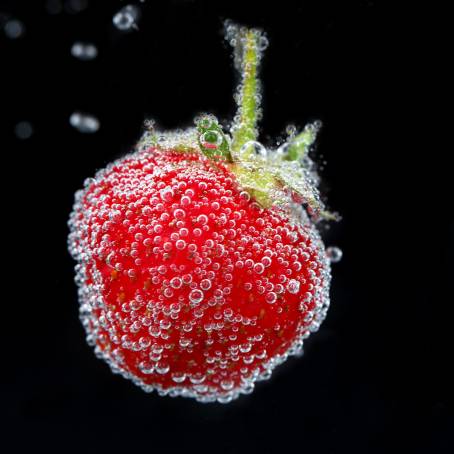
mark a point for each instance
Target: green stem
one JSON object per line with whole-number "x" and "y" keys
{"x": 244, "y": 129}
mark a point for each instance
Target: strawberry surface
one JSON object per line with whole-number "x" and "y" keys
{"x": 199, "y": 264}
{"x": 187, "y": 284}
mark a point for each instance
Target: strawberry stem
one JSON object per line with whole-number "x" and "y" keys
{"x": 248, "y": 44}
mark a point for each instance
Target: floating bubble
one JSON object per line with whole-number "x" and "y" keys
{"x": 263, "y": 43}
{"x": 126, "y": 18}
{"x": 334, "y": 254}
{"x": 14, "y": 29}
{"x": 75, "y": 6}
{"x": 84, "y": 51}
{"x": 84, "y": 123}
{"x": 54, "y": 6}
{"x": 23, "y": 130}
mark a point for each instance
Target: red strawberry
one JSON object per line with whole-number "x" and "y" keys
{"x": 198, "y": 273}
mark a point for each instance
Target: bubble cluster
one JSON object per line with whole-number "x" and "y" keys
{"x": 84, "y": 51}
{"x": 84, "y": 123}
{"x": 186, "y": 285}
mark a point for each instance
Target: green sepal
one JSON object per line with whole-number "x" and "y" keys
{"x": 301, "y": 143}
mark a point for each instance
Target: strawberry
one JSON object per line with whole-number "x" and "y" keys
{"x": 199, "y": 264}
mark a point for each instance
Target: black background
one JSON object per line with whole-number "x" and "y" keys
{"x": 376, "y": 378}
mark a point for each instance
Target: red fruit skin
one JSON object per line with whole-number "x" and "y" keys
{"x": 186, "y": 285}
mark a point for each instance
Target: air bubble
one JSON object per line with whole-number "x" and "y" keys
{"x": 162, "y": 368}
{"x": 84, "y": 123}
{"x": 180, "y": 244}
{"x": 205, "y": 284}
{"x": 253, "y": 150}
{"x": 271, "y": 297}
{"x": 176, "y": 282}
{"x": 259, "y": 268}
{"x": 146, "y": 367}
{"x": 227, "y": 385}
{"x": 262, "y": 43}
{"x": 179, "y": 214}
{"x": 166, "y": 194}
{"x": 334, "y": 254}
{"x": 23, "y": 130}
{"x": 14, "y": 29}
{"x": 211, "y": 139}
{"x": 84, "y": 51}
{"x": 178, "y": 377}
{"x": 202, "y": 219}
{"x": 196, "y": 296}
{"x": 126, "y": 18}
{"x": 293, "y": 286}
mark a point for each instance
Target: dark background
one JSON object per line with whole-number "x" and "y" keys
{"x": 376, "y": 378}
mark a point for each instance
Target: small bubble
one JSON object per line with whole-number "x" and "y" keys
{"x": 205, "y": 284}
{"x": 334, "y": 254}
{"x": 178, "y": 377}
{"x": 227, "y": 385}
{"x": 179, "y": 213}
{"x": 262, "y": 43}
{"x": 84, "y": 51}
{"x": 126, "y": 18}
{"x": 14, "y": 29}
{"x": 162, "y": 368}
{"x": 211, "y": 139}
{"x": 176, "y": 282}
{"x": 23, "y": 130}
{"x": 290, "y": 130}
{"x": 293, "y": 286}
{"x": 180, "y": 244}
{"x": 253, "y": 149}
{"x": 84, "y": 123}
{"x": 196, "y": 296}
{"x": 283, "y": 151}
{"x": 197, "y": 378}
{"x": 271, "y": 297}
{"x": 259, "y": 268}
{"x": 146, "y": 367}
{"x": 166, "y": 194}
{"x": 202, "y": 219}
